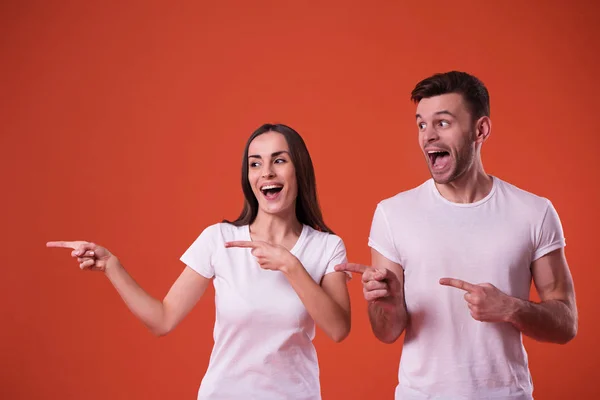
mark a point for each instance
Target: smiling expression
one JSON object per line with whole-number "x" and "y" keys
{"x": 271, "y": 174}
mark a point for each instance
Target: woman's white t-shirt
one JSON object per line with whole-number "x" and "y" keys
{"x": 263, "y": 334}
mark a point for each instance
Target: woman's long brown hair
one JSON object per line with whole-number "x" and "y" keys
{"x": 308, "y": 210}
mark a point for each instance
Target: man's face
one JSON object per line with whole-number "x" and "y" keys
{"x": 446, "y": 136}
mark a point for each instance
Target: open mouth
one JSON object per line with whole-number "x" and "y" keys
{"x": 438, "y": 158}
{"x": 271, "y": 191}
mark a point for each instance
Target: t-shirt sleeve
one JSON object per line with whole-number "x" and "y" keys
{"x": 550, "y": 234}
{"x": 380, "y": 237}
{"x": 338, "y": 256}
{"x": 199, "y": 256}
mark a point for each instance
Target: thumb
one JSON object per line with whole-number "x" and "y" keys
{"x": 380, "y": 273}
{"x": 101, "y": 253}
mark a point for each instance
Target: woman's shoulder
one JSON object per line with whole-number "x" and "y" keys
{"x": 224, "y": 231}
{"x": 331, "y": 239}
{"x": 229, "y": 231}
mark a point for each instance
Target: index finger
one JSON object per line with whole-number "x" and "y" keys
{"x": 351, "y": 267}
{"x": 66, "y": 245}
{"x": 457, "y": 283}
{"x": 242, "y": 243}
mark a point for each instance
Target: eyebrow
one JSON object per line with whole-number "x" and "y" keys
{"x": 277, "y": 153}
{"x": 439, "y": 113}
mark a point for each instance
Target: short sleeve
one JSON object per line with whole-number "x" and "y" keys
{"x": 380, "y": 237}
{"x": 338, "y": 256}
{"x": 550, "y": 233}
{"x": 199, "y": 256}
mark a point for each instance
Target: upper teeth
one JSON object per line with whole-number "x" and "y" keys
{"x": 267, "y": 187}
{"x": 435, "y": 151}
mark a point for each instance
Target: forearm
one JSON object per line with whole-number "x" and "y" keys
{"x": 327, "y": 314}
{"x": 388, "y": 319}
{"x": 549, "y": 321}
{"x": 146, "y": 308}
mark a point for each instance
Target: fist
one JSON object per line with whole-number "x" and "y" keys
{"x": 90, "y": 256}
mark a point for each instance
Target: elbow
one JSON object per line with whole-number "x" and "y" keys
{"x": 341, "y": 333}
{"x": 564, "y": 335}
{"x": 389, "y": 336}
{"x": 159, "y": 334}
{"x": 388, "y": 339}
{"x": 161, "y": 330}
{"x": 338, "y": 337}
{"x": 569, "y": 334}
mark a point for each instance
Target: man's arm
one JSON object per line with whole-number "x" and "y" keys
{"x": 554, "y": 319}
{"x": 387, "y": 313}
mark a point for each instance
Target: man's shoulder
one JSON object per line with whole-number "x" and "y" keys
{"x": 408, "y": 196}
{"x": 519, "y": 196}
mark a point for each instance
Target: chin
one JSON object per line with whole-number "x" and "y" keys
{"x": 276, "y": 210}
{"x": 442, "y": 179}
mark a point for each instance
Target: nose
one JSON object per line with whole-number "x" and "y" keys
{"x": 430, "y": 134}
{"x": 267, "y": 171}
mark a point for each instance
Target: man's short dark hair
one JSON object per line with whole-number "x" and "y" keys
{"x": 472, "y": 90}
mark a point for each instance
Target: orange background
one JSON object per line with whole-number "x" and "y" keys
{"x": 125, "y": 125}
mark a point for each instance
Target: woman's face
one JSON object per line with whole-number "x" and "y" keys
{"x": 271, "y": 174}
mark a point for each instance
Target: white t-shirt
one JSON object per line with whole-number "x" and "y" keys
{"x": 446, "y": 353}
{"x": 263, "y": 334}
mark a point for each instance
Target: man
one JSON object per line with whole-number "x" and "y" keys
{"x": 453, "y": 259}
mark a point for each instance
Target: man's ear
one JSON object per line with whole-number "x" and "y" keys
{"x": 483, "y": 129}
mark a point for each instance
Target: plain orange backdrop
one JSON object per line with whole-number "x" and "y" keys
{"x": 124, "y": 123}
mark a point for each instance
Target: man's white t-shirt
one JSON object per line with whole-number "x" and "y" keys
{"x": 446, "y": 353}
{"x": 263, "y": 334}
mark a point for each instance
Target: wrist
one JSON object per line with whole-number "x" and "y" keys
{"x": 514, "y": 310}
{"x": 388, "y": 304}
{"x": 291, "y": 267}
{"x": 112, "y": 264}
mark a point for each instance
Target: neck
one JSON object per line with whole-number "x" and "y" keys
{"x": 473, "y": 185}
{"x": 275, "y": 228}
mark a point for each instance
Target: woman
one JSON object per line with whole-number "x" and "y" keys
{"x": 273, "y": 273}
